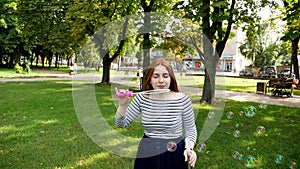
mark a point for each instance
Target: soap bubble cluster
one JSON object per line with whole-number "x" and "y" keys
{"x": 249, "y": 160}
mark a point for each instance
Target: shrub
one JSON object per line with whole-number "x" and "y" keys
{"x": 18, "y": 68}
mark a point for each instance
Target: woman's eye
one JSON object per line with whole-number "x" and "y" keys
{"x": 166, "y": 76}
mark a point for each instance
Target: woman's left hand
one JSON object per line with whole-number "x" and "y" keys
{"x": 190, "y": 156}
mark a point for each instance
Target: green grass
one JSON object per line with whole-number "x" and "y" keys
{"x": 225, "y": 83}
{"x": 10, "y": 73}
{"x": 40, "y": 129}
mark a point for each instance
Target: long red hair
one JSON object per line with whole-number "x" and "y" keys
{"x": 149, "y": 72}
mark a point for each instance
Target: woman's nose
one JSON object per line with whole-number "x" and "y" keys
{"x": 161, "y": 79}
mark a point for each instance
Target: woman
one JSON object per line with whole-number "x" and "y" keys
{"x": 164, "y": 117}
{"x": 294, "y": 84}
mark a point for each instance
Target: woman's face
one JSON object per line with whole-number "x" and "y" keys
{"x": 160, "y": 78}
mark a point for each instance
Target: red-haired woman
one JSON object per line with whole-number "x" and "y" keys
{"x": 164, "y": 117}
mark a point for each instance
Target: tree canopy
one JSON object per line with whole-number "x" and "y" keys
{"x": 53, "y": 29}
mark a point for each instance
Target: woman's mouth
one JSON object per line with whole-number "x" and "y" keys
{"x": 161, "y": 87}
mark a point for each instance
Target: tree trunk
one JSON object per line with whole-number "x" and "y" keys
{"x": 11, "y": 60}
{"x": 210, "y": 62}
{"x": 295, "y": 57}
{"x": 208, "y": 88}
{"x": 147, "y": 7}
{"x": 56, "y": 60}
{"x": 211, "y": 57}
{"x": 106, "y": 69}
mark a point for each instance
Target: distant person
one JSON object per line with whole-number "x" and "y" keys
{"x": 168, "y": 120}
{"x": 73, "y": 69}
{"x": 282, "y": 80}
{"x": 294, "y": 84}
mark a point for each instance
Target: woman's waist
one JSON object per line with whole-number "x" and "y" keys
{"x": 163, "y": 136}
{"x": 162, "y": 139}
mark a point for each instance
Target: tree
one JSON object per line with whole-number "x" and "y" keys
{"x": 45, "y": 30}
{"x": 292, "y": 34}
{"x": 261, "y": 47}
{"x": 211, "y": 16}
{"x": 216, "y": 19}
{"x": 10, "y": 42}
{"x": 175, "y": 47}
{"x": 118, "y": 9}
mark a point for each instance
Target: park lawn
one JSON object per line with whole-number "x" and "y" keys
{"x": 40, "y": 129}
{"x": 10, "y": 73}
{"x": 225, "y": 83}
{"x": 38, "y": 71}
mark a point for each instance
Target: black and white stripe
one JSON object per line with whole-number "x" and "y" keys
{"x": 162, "y": 118}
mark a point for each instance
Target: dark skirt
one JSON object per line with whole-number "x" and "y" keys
{"x": 156, "y": 153}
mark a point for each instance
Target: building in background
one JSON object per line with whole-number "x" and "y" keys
{"x": 232, "y": 60}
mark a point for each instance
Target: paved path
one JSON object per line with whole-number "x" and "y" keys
{"x": 240, "y": 96}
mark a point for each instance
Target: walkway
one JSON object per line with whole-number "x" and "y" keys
{"x": 239, "y": 96}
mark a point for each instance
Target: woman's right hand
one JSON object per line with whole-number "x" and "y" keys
{"x": 123, "y": 98}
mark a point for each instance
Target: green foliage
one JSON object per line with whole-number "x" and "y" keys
{"x": 18, "y": 68}
{"x": 25, "y": 68}
{"x": 261, "y": 47}
{"x": 291, "y": 16}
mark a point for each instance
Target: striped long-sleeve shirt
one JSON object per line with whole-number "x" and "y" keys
{"x": 162, "y": 118}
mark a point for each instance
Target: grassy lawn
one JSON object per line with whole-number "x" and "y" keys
{"x": 9, "y": 73}
{"x": 222, "y": 83}
{"x": 225, "y": 83}
{"x": 44, "y": 72}
{"x": 40, "y": 129}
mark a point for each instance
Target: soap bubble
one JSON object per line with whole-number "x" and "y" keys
{"x": 236, "y": 155}
{"x": 201, "y": 147}
{"x": 229, "y": 115}
{"x": 293, "y": 165}
{"x": 250, "y": 111}
{"x": 241, "y": 113}
{"x": 263, "y": 104}
{"x": 250, "y": 162}
{"x": 171, "y": 146}
{"x": 278, "y": 159}
{"x": 241, "y": 157}
{"x": 211, "y": 115}
{"x": 260, "y": 130}
{"x": 236, "y": 133}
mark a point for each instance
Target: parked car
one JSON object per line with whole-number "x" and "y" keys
{"x": 268, "y": 72}
{"x": 246, "y": 72}
{"x": 286, "y": 72}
